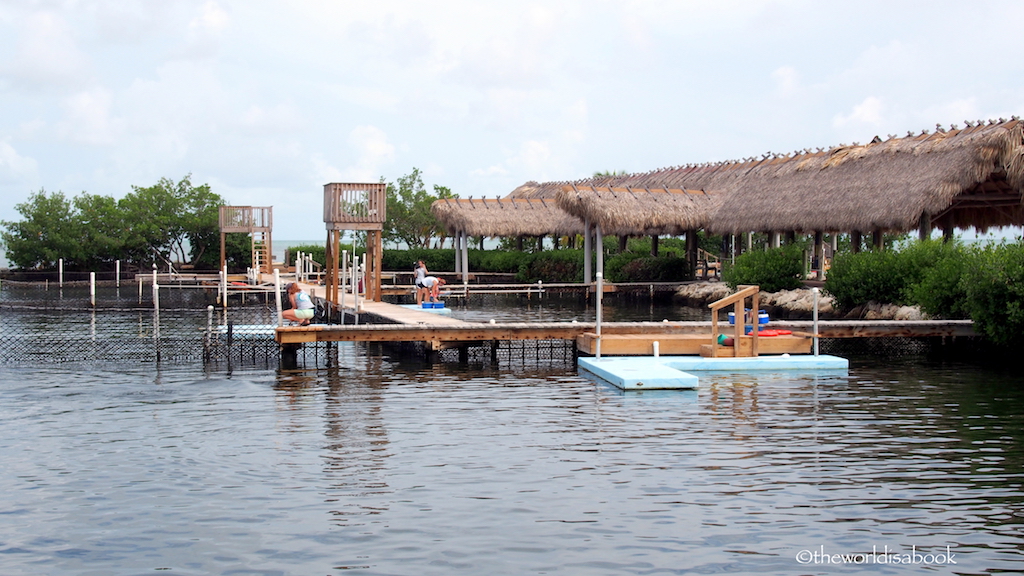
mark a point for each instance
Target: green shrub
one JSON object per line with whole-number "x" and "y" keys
{"x": 552, "y": 266}
{"x": 856, "y": 279}
{"x": 436, "y": 259}
{"x": 317, "y": 252}
{"x": 995, "y": 293}
{"x": 498, "y": 260}
{"x": 614, "y": 264}
{"x": 934, "y": 275}
{"x": 655, "y": 269}
{"x": 773, "y": 269}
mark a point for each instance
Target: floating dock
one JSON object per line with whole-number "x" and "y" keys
{"x": 675, "y": 372}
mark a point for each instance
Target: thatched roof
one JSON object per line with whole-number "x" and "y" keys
{"x": 961, "y": 177}
{"x": 547, "y": 190}
{"x": 505, "y": 217}
{"x": 639, "y": 211}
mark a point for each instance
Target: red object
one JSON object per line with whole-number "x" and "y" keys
{"x": 773, "y": 332}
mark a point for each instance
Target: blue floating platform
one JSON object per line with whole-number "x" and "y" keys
{"x": 442, "y": 311}
{"x": 673, "y": 372}
{"x": 766, "y": 362}
{"x": 638, "y": 373}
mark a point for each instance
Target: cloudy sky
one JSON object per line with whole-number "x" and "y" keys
{"x": 268, "y": 101}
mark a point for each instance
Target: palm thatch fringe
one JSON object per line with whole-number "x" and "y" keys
{"x": 971, "y": 177}
{"x": 505, "y": 217}
{"x": 639, "y": 211}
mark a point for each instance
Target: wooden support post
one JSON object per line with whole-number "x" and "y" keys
{"x": 855, "y": 241}
{"x": 654, "y": 246}
{"x": 924, "y": 229}
{"x": 691, "y": 250}
{"x": 878, "y": 240}
{"x": 819, "y": 255}
{"x": 588, "y": 256}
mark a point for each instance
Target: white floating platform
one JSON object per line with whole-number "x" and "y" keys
{"x": 638, "y": 373}
{"x": 673, "y": 372}
{"x": 772, "y": 362}
{"x": 442, "y": 311}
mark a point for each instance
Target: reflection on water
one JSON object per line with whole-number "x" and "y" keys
{"x": 381, "y": 467}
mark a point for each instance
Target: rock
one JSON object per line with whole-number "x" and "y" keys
{"x": 796, "y": 304}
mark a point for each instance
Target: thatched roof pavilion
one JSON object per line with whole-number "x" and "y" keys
{"x": 505, "y": 217}
{"x": 955, "y": 178}
{"x": 625, "y": 211}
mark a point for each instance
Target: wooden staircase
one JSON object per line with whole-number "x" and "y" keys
{"x": 261, "y": 257}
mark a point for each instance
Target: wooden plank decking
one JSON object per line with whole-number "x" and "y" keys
{"x": 404, "y": 324}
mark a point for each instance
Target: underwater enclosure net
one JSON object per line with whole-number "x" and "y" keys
{"x": 45, "y": 323}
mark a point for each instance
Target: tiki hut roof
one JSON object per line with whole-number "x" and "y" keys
{"x": 547, "y": 190}
{"x": 505, "y": 217}
{"x": 959, "y": 178}
{"x": 639, "y": 211}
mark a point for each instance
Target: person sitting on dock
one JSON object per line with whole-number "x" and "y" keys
{"x": 433, "y": 284}
{"x": 422, "y": 292}
{"x": 302, "y": 309}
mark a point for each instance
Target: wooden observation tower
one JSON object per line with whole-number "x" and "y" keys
{"x": 257, "y": 222}
{"x": 355, "y": 207}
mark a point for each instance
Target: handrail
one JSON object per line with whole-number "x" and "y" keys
{"x": 705, "y": 255}
{"x": 739, "y": 317}
{"x": 741, "y": 295}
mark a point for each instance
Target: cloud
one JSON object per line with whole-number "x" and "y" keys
{"x": 495, "y": 170}
{"x": 274, "y": 120}
{"x": 47, "y": 54}
{"x": 373, "y": 151}
{"x": 212, "y": 18}
{"x": 787, "y": 81}
{"x": 15, "y": 168}
{"x": 88, "y": 118}
{"x": 868, "y": 112}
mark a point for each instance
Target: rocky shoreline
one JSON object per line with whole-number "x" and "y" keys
{"x": 796, "y": 304}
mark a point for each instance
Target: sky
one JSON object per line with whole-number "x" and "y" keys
{"x": 268, "y": 101}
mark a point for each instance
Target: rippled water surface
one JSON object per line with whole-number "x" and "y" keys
{"x": 388, "y": 465}
{"x": 380, "y": 467}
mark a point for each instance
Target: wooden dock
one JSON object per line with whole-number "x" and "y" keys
{"x": 393, "y": 323}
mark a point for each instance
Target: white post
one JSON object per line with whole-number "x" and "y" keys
{"x": 465, "y": 258}
{"x": 355, "y": 284}
{"x": 816, "y": 291}
{"x": 224, "y": 286}
{"x": 600, "y": 291}
{"x": 656, "y": 346}
{"x": 92, "y": 289}
{"x": 298, "y": 267}
{"x": 341, "y": 280}
{"x": 60, "y": 272}
{"x": 117, "y": 272}
{"x": 156, "y": 307}
{"x": 277, "y": 294}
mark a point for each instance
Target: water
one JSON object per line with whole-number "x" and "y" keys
{"x": 384, "y": 464}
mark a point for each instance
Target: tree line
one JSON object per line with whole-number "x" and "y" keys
{"x": 169, "y": 222}
{"x": 173, "y": 223}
